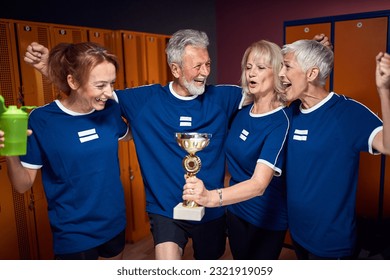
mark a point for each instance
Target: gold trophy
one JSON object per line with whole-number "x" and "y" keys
{"x": 192, "y": 142}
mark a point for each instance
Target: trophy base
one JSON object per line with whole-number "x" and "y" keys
{"x": 181, "y": 212}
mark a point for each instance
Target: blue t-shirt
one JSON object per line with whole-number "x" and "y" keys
{"x": 78, "y": 156}
{"x": 156, "y": 114}
{"x": 323, "y": 151}
{"x": 255, "y": 138}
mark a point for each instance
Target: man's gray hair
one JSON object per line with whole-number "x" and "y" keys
{"x": 180, "y": 40}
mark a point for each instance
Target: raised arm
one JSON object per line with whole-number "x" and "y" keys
{"x": 37, "y": 55}
{"x": 381, "y": 141}
{"x": 324, "y": 40}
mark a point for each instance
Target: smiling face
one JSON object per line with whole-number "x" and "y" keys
{"x": 192, "y": 74}
{"x": 97, "y": 89}
{"x": 259, "y": 75}
{"x": 293, "y": 77}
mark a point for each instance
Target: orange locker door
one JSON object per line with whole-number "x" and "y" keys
{"x": 124, "y": 163}
{"x": 135, "y": 73}
{"x": 9, "y": 244}
{"x": 134, "y": 59}
{"x": 37, "y": 90}
{"x": 139, "y": 219}
{"x": 357, "y": 42}
{"x": 108, "y": 39}
{"x": 307, "y": 31}
{"x": 9, "y": 78}
{"x": 38, "y": 204}
{"x": 155, "y": 53}
{"x": 102, "y": 37}
{"x": 167, "y": 75}
{"x": 118, "y": 50}
{"x": 67, "y": 34}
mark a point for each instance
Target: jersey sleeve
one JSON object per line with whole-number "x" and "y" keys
{"x": 132, "y": 100}
{"x": 273, "y": 151}
{"x": 33, "y": 157}
{"x": 361, "y": 124}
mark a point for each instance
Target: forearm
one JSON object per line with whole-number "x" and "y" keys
{"x": 382, "y": 76}
{"x": 237, "y": 193}
{"x": 385, "y": 107}
{"x": 20, "y": 177}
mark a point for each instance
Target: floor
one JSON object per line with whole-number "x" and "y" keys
{"x": 143, "y": 250}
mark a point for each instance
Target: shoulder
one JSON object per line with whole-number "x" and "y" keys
{"x": 44, "y": 109}
{"x": 225, "y": 87}
{"x": 224, "y": 93}
{"x": 282, "y": 117}
{"x": 138, "y": 89}
{"x": 348, "y": 103}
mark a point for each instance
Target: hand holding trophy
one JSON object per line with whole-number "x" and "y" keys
{"x": 192, "y": 142}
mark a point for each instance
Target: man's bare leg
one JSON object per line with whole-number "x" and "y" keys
{"x": 168, "y": 251}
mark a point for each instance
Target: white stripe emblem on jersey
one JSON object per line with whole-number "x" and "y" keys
{"x": 300, "y": 135}
{"x": 185, "y": 121}
{"x": 88, "y": 135}
{"x": 244, "y": 134}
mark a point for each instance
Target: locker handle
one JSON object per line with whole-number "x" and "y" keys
{"x": 131, "y": 175}
{"x": 31, "y": 204}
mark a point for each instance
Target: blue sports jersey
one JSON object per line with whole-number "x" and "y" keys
{"x": 155, "y": 114}
{"x": 257, "y": 138}
{"x": 78, "y": 154}
{"x": 323, "y": 150}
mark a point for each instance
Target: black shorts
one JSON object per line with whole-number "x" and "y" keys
{"x": 107, "y": 250}
{"x": 208, "y": 239}
{"x": 248, "y": 242}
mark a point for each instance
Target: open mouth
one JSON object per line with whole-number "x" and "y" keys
{"x": 101, "y": 99}
{"x": 252, "y": 83}
{"x": 200, "y": 81}
{"x": 286, "y": 85}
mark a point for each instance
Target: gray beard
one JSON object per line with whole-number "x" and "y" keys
{"x": 193, "y": 89}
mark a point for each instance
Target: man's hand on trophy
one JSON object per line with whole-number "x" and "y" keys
{"x": 195, "y": 190}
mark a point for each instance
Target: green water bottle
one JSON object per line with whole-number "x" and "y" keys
{"x": 13, "y": 122}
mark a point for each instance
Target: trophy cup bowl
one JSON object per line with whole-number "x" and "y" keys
{"x": 191, "y": 142}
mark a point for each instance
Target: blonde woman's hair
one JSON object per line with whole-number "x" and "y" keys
{"x": 272, "y": 57}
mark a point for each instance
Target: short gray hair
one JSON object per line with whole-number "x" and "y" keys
{"x": 180, "y": 40}
{"x": 309, "y": 54}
